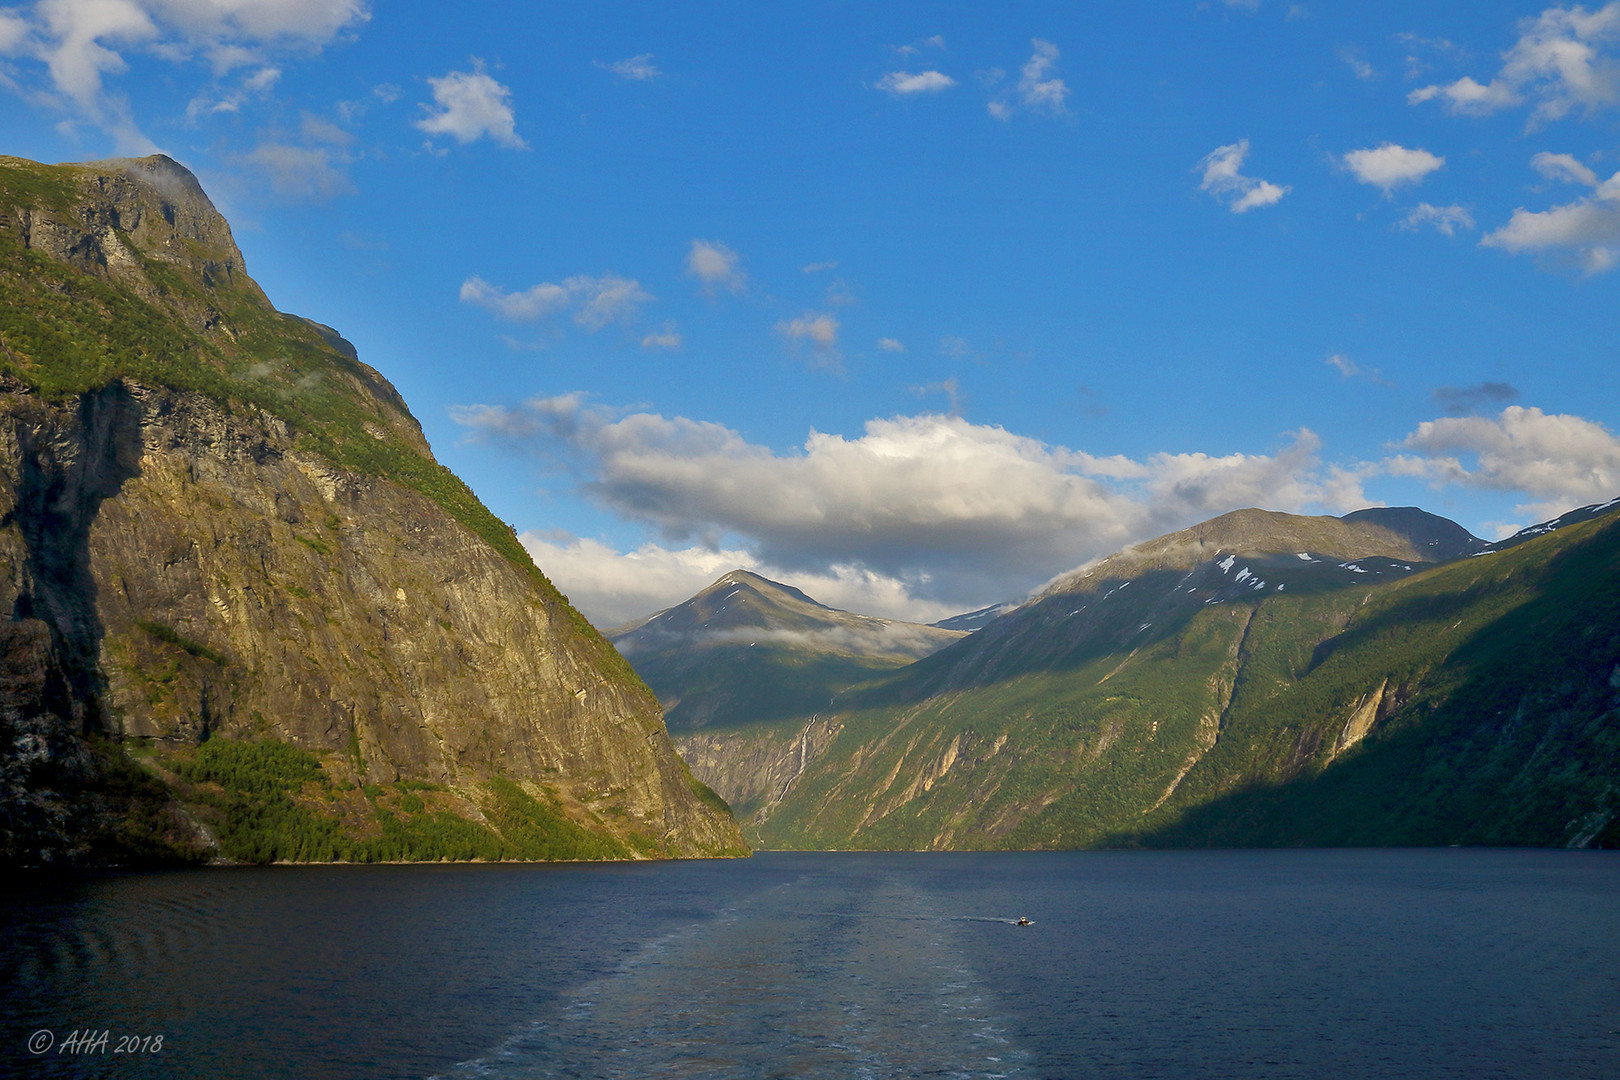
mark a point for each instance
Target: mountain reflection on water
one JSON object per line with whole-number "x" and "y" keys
{"x": 1398, "y": 964}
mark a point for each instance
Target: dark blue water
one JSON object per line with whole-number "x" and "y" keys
{"x": 1388, "y": 964}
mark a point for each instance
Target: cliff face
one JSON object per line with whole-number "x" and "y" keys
{"x": 217, "y": 522}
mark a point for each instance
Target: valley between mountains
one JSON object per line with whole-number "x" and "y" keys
{"x": 1261, "y": 679}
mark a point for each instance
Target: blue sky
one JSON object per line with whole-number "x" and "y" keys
{"x": 912, "y": 305}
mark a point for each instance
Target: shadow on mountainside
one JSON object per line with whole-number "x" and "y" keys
{"x": 1514, "y": 738}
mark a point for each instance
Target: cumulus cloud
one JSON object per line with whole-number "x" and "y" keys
{"x": 716, "y": 266}
{"x": 469, "y": 105}
{"x": 635, "y": 68}
{"x": 1388, "y": 166}
{"x": 1586, "y": 230}
{"x": 1038, "y": 88}
{"x": 890, "y": 344}
{"x": 595, "y": 301}
{"x": 612, "y": 588}
{"x": 1557, "y": 461}
{"x": 965, "y": 514}
{"x": 84, "y": 42}
{"x": 1558, "y": 62}
{"x": 1444, "y": 219}
{"x": 906, "y": 84}
{"x": 1563, "y": 168}
{"x": 1223, "y": 178}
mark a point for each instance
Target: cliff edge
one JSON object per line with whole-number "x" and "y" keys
{"x": 218, "y": 529}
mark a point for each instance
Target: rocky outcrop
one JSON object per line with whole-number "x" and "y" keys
{"x": 755, "y": 770}
{"x": 181, "y": 562}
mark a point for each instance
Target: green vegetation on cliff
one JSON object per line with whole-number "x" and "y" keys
{"x": 268, "y": 801}
{"x": 66, "y": 331}
{"x": 219, "y": 522}
{"x": 1476, "y": 702}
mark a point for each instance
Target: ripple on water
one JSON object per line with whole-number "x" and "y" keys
{"x": 810, "y": 979}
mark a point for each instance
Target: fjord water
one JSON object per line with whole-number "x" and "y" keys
{"x": 1398, "y": 964}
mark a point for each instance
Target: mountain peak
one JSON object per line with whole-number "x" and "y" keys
{"x": 115, "y": 218}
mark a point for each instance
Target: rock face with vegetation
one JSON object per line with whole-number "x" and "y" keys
{"x": 747, "y": 653}
{"x": 222, "y": 530}
{"x": 1260, "y": 679}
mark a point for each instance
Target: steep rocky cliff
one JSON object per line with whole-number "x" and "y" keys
{"x": 219, "y": 525}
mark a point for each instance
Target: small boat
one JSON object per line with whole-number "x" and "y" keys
{"x": 1023, "y": 920}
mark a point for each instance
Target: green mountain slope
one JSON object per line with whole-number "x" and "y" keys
{"x": 1211, "y": 686}
{"x": 221, "y": 529}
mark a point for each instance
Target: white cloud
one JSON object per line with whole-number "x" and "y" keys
{"x": 1587, "y": 230}
{"x": 819, "y": 328}
{"x": 667, "y": 337}
{"x": 636, "y": 68}
{"x": 818, "y": 267}
{"x": 471, "y": 105}
{"x": 1388, "y": 166}
{"x": 1558, "y": 461}
{"x": 606, "y": 299}
{"x": 1558, "y": 62}
{"x": 1469, "y": 97}
{"x": 1038, "y": 88}
{"x": 257, "y": 85}
{"x": 1358, "y": 65}
{"x": 83, "y": 42}
{"x": 904, "y": 83}
{"x": 890, "y": 344}
{"x": 716, "y": 266}
{"x": 612, "y": 588}
{"x": 13, "y": 32}
{"x": 1563, "y": 167}
{"x": 526, "y": 306}
{"x": 966, "y": 514}
{"x": 1445, "y": 219}
{"x": 299, "y": 172}
{"x": 1349, "y": 369}
{"x": 1346, "y": 367}
{"x": 1224, "y": 179}
{"x": 596, "y": 301}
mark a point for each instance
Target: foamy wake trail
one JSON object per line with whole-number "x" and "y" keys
{"x": 809, "y": 980}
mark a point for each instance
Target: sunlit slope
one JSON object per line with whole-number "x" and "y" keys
{"x": 251, "y": 616}
{"x": 1163, "y": 700}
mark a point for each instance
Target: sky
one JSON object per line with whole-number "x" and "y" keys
{"x": 914, "y": 306}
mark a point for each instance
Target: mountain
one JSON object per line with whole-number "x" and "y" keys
{"x": 250, "y": 614}
{"x": 1258, "y": 679}
{"x": 747, "y": 649}
{"x": 746, "y": 655}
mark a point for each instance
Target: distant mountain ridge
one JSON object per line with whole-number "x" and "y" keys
{"x": 747, "y": 649}
{"x": 1225, "y": 683}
